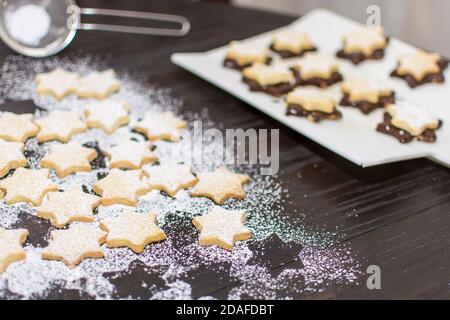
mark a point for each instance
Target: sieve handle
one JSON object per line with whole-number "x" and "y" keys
{"x": 184, "y": 28}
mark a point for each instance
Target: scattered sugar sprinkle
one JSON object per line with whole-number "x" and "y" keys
{"x": 171, "y": 263}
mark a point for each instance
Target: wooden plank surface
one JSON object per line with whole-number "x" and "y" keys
{"x": 396, "y": 216}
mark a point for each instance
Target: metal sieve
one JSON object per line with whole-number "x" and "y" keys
{"x": 66, "y": 20}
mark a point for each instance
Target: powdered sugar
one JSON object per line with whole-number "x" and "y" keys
{"x": 28, "y": 24}
{"x": 175, "y": 266}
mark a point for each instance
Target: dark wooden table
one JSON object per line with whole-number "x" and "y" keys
{"x": 395, "y": 216}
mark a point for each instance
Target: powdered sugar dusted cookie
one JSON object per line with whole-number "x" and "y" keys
{"x": 220, "y": 185}
{"x": 407, "y": 122}
{"x": 17, "y": 127}
{"x": 163, "y": 125}
{"x": 274, "y": 80}
{"x": 222, "y": 228}
{"x": 107, "y": 115}
{"x": 62, "y": 208}
{"x": 121, "y": 187}
{"x": 420, "y": 68}
{"x": 98, "y": 85}
{"x": 170, "y": 178}
{"x": 11, "y": 156}
{"x": 240, "y": 56}
{"x": 365, "y": 95}
{"x": 132, "y": 230}
{"x": 290, "y": 44}
{"x": 60, "y": 125}
{"x": 69, "y": 158}
{"x": 130, "y": 154}
{"x": 26, "y": 185}
{"x": 57, "y": 83}
{"x": 11, "y": 247}
{"x": 312, "y": 104}
{"x": 79, "y": 242}
{"x": 363, "y": 44}
{"x": 316, "y": 69}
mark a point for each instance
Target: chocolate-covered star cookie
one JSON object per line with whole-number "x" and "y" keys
{"x": 363, "y": 44}
{"x": 289, "y": 44}
{"x": 316, "y": 69}
{"x": 407, "y": 122}
{"x": 240, "y": 56}
{"x": 421, "y": 68}
{"x": 312, "y": 104}
{"x": 365, "y": 96}
{"x": 274, "y": 80}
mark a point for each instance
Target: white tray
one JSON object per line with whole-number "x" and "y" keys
{"x": 354, "y": 136}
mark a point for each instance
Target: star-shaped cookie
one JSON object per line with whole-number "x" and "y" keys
{"x": 419, "y": 64}
{"x": 162, "y": 125}
{"x": 17, "y": 127}
{"x": 69, "y": 158}
{"x": 170, "y": 178}
{"x": 11, "y": 246}
{"x": 317, "y": 65}
{"x": 240, "y": 56}
{"x": 292, "y": 43}
{"x": 26, "y": 185}
{"x": 107, "y": 115}
{"x": 62, "y": 208}
{"x": 130, "y": 154}
{"x": 98, "y": 85}
{"x": 220, "y": 185}
{"x": 73, "y": 245}
{"x": 411, "y": 118}
{"x": 58, "y": 83}
{"x": 133, "y": 230}
{"x": 60, "y": 125}
{"x": 364, "y": 40}
{"x": 11, "y": 156}
{"x": 222, "y": 228}
{"x": 362, "y": 90}
{"x": 121, "y": 187}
